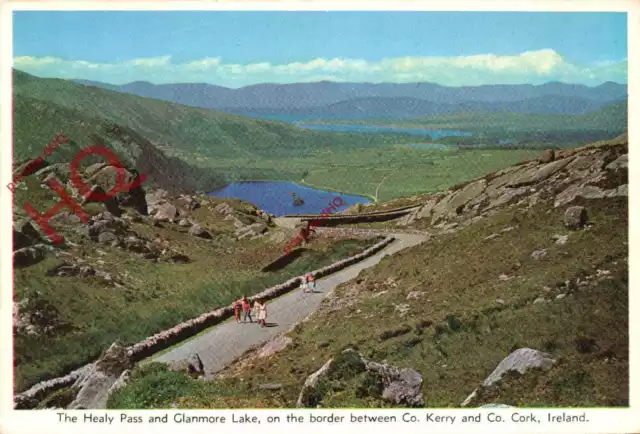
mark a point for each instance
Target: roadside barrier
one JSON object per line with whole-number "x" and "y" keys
{"x": 168, "y": 338}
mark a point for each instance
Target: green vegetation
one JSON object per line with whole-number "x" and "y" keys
{"x": 467, "y": 319}
{"x": 229, "y": 148}
{"x": 86, "y": 315}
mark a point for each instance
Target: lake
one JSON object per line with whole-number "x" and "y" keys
{"x": 275, "y": 197}
{"x": 378, "y": 129}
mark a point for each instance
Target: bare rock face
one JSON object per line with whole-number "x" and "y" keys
{"x": 96, "y": 384}
{"x": 521, "y": 361}
{"x": 192, "y": 365}
{"x": 575, "y": 217}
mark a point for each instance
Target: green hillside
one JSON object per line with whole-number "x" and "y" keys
{"x": 177, "y": 128}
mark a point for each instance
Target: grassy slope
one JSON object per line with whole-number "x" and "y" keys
{"x": 457, "y": 332}
{"x": 154, "y": 296}
{"x": 181, "y": 128}
{"x": 236, "y": 148}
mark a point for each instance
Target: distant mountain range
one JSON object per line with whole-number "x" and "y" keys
{"x": 379, "y": 100}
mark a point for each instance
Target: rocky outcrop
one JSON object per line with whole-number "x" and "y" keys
{"x": 28, "y": 256}
{"x": 197, "y": 231}
{"x": 520, "y": 361}
{"x": 575, "y": 217}
{"x": 191, "y": 365}
{"x": 400, "y": 386}
{"x": 96, "y": 382}
{"x": 592, "y": 172}
{"x": 106, "y": 178}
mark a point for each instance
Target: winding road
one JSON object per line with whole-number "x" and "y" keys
{"x": 223, "y": 343}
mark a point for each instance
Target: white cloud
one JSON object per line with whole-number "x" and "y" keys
{"x": 529, "y": 67}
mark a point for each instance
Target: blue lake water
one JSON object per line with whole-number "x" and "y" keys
{"x": 276, "y": 198}
{"x": 377, "y": 129}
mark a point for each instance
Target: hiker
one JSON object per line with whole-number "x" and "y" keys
{"x": 256, "y": 308}
{"x": 262, "y": 315}
{"x": 246, "y": 307}
{"x": 311, "y": 283}
{"x": 237, "y": 309}
{"x": 303, "y": 283}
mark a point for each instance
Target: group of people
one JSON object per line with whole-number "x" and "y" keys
{"x": 259, "y": 310}
{"x": 243, "y": 305}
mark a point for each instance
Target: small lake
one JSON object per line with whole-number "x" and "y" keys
{"x": 275, "y": 197}
{"x": 378, "y": 129}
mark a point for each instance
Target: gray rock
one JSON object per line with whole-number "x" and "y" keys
{"x": 311, "y": 382}
{"x": 539, "y": 173}
{"x": 27, "y": 228}
{"x": 561, "y": 239}
{"x": 539, "y": 300}
{"x": 547, "y": 156}
{"x": 166, "y": 212}
{"x": 191, "y": 365}
{"x": 185, "y": 223}
{"x": 508, "y": 196}
{"x": 496, "y": 406}
{"x": 402, "y": 385}
{"x": 28, "y": 256}
{"x": 560, "y": 296}
{"x": 197, "y": 231}
{"x": 97, "y": 381}
{"x": 454, "y": 203}
{"x": 622, "y": 162}
{"x": 272, "y": 347}
{"x": 107, "y": 238}
{"x": 575, "y": 217}
{"x": 576, "y": 191}
{"x": 520, "y": 360}
{"x": 539, "y": 254}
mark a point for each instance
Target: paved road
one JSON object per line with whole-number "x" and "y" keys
{"x": 227, "y": 341}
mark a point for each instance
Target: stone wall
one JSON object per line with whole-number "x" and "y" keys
{"x": 168, "y": 338}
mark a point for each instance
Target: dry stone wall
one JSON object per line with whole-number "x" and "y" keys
{"x": 180, "y": 332}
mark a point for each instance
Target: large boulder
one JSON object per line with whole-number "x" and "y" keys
{"x": 520, "y": 361}
{"x": 28, "y": 256}
{"x": 166, "y": 212}
{"x": 106, "y": 178}
{"x": 575, "y": 217}
{"x": 399, "y": 386}
{"x": 96, "y": 384}
{"x": 197, "y": 231}
{"x": 191, "y": 365}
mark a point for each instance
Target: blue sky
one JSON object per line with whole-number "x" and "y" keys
{"x": 240, "y": 48}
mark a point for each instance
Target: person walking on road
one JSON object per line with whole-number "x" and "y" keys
{"x": 246, "y": 307}
{"x": 311, "y": 283}
{"x": 237, "y": 309}
{"x": 262, "y": 315}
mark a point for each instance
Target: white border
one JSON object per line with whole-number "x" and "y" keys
{"x": 602, "y": 420}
